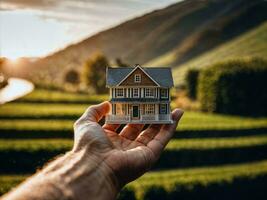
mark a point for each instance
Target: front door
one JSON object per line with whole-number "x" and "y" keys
{"x": 135, "y": 113}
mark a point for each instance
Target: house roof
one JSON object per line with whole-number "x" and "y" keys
{"x": 161, "y": 75}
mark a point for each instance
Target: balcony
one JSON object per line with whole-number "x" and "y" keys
{"x": 139, "y": 100}
{"x": 143, "y": 119}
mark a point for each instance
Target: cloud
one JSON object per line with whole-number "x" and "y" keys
{"x": 83, "y": 11}
{"x": 25, "y": 4}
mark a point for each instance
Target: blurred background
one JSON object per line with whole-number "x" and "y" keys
{"x": 52, "y": 50}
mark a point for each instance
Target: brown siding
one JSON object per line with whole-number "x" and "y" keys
{"x": 145, "y": 80}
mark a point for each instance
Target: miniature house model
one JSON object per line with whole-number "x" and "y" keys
{"x": 139, "y": 95}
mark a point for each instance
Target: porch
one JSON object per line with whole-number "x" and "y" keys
{"x": 144, "y": 113}
{"x": 148, "y": 119}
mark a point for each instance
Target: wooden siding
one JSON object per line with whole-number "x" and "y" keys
{"x": 145, "y": 80}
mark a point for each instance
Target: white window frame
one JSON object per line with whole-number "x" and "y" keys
{"x": 137, "y": 78}
{"x": 166, "y": 93}
{"x": 150, "y": 109}
{"x": 164, "y": 107}
{"x": 135, "y": 92}
{"x": 119, "y": 92}
{"x": 121, "y": 109}
{"x": 149, "y": 92}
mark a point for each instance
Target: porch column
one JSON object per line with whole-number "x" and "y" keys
{"x": 168, "y": 107}
{"x": 129, "y": 111}
{"x": 157, "y": 111}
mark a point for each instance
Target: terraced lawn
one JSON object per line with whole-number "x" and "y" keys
{"x": 175, "y": 144}
{"x": 190, "y": 121}
{"x": 53, "y": 96}
{"x": 44, "y": 110}
{"x": 44, "y": 119}
{"x": 217, "y": 143}
{"x": 38, "y": 124}
{"x": 168, "y": 179}
{"x": 204, "y": 176}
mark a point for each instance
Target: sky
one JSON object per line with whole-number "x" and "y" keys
{"x": 36, "y": 28}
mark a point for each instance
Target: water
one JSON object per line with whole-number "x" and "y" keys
{"x": 16, "y": 88}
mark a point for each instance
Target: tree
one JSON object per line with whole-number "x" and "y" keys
{"x": 72, "y": 77}
{"x": 120, "y": 63}
{"x": 1, "y": 63}
{"x": 3, "y": 80}
{"x": 94, "y": 73}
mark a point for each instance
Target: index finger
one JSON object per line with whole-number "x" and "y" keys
{"x": 94, "y": 113}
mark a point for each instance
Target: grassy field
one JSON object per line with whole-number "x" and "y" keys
{"x": 220, "y": 148}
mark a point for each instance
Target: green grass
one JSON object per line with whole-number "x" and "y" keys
{"x": 175, "y": 144}
{"x": 204, "y": 176}
{"x": 207, "y": 121}
{"x": 217, "y": 143}
{"x": 35, "y": 144}
{"x": 250, "y": 44}
{"x": 190, "y": 120}
{"x": 40, "y": 125}
{"x": 169, "y": 178}
{"x": 37, "y": 110}
{"x": 53, "y": 96}
{"x": 9, "y": 181}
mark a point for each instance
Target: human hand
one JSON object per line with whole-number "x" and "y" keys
{"x": 122, "y": 156}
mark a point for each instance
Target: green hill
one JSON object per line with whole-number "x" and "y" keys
{"x": 251, "y": 44}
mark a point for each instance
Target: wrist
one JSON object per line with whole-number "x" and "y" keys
{"x": 83, "y": 175}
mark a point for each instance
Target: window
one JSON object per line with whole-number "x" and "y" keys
{"x": 137, "y": 78}
{"x": 163, "y": 93}
{"x": 121, "y": 109}
{"x": 149, "y": 92}
{"x": 150, "y": 109}
{"x": 136, "y": 92}
{"x": 163, "y": 109}
{"x": 119, "y": 92}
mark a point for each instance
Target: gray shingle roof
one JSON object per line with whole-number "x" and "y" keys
{"x": 162, "y": 75}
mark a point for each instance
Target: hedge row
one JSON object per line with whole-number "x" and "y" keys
{"x": 23, "y": 161}
{"x": 234, "y": 87}
{"x": 33, "y": 134}
{"x": 245, "y": 188}
{"x": 192, "y": 82}
{"x": 239, "y": 188}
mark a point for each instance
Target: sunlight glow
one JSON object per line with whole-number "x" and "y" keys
{"x": 13, "y": 58}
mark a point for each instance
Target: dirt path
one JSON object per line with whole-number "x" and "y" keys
{"x": 15, "y": 89}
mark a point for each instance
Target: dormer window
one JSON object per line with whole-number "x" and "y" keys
{"x": 137, "y": 78}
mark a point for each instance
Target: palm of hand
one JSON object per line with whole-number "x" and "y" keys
{"x": 128, "y": 154}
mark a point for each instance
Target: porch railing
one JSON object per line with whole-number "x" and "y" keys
{"x": 128, "y": 118}
{"x": 118, "y": 117}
